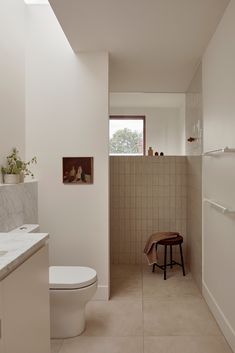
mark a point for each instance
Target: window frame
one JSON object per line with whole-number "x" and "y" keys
{"x": 133, "y": 117}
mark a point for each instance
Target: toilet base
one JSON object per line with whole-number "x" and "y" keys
{"x": 69, "y": 328}
{"x": 68, "y": 311}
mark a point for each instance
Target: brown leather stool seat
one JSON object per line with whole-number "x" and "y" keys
{"x": 171, "y": 242}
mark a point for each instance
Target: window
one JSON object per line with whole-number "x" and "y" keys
{"x": 127, "y": 135}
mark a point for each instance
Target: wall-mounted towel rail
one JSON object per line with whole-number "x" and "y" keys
{"x": 219, "y": 207}
{"x": 221, "y": 150}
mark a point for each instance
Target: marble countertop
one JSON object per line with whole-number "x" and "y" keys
{"x": 15, "y": 248}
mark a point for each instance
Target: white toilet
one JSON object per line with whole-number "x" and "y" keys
{"x": 71, "y": 287}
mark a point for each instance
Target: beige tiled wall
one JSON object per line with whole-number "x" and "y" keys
{"x": 147, "y": 195}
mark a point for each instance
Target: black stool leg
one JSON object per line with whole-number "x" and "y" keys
{"x": 171, "y": 255}
{"x": 154, "y": 264}
{"x": 165, "y": 256}
{"x": 182, "y": 259}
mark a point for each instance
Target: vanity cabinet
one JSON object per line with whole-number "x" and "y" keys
{"x": 24, "y": 307}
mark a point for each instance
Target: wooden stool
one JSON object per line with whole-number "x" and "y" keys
{"x": 173, "y": 241}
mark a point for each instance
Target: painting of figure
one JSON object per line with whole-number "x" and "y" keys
{"x": 78, "y": 170}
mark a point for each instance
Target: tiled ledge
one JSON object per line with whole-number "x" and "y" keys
{"x": 18, "y": 204}
{"x": 19, "y": 184}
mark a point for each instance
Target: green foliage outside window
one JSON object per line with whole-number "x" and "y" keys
{"x": 125, "y": 141}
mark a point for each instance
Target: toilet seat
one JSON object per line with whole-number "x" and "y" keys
{"x": 71, "y": 277}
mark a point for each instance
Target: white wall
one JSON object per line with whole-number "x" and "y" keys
{"x": 67, "y": 115}
{"x": 193, "y": 127}
{"x": 164, "y": 127}
{"x": 219, "y": 173}
{"x": 194, "y": 217}
{"x": 194, "y": 115}
{"x": 12, "y": 80}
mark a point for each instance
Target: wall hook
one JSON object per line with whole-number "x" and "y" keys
{"x": 192, "y": 139}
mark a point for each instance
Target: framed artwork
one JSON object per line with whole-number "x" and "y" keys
{"x": 78, "y": 170}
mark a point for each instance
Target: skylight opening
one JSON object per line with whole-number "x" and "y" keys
{"x": 36, "y": 2}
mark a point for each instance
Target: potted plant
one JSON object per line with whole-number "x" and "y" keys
{"x": 15, "y": 169}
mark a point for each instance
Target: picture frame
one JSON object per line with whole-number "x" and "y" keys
{"x": 78, "y": 170}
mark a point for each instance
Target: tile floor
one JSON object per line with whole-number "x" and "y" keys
{"x": 148, "y": 315}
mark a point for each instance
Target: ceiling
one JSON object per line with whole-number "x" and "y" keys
{"x": 154, "y": 45}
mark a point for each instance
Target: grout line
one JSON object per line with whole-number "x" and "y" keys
{"x": 142, "y": 278}
{"x": 60, "y": 350}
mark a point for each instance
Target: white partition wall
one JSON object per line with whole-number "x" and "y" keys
{"x": 219, "y": 174}
{"x": 67, "y": 116}
{"x": 193, "y": 127}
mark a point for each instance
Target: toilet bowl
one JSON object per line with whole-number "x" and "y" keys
{"x": 71, "y": 287}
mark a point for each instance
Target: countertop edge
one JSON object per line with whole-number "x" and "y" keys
{"x": 24, "y": 256}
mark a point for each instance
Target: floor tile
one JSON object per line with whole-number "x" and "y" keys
{"x": 114, "y": 318}
{"x": 126, "y": 271}
{"x": 103, "y": 345}
{"x": 189, "y": 316}
{"x": 56, "y": 346}
{"x": 175, "y": 272}
{"x": 126, "y": 288}
{"x": 186, "y": 344}
{"x": 154, "y": 286}
{"x": 174, "y": 318}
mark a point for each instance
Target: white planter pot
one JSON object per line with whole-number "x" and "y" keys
{"x": 11, "y": 178}
{"x": 21, "y": 177}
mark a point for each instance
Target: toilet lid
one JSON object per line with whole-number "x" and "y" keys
{"x": 71, "y": 277}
